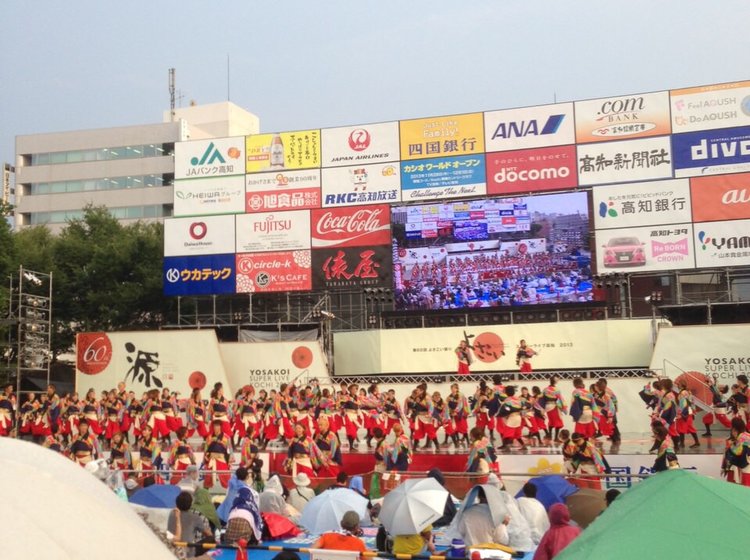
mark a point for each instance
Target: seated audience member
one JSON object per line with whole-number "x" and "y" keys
{"x": 346, "y": 539}
{"x": 533, "y": 511}
{"x": 449, "y": 511}
{"x": 560, "y": 534}
{"x": 476, "y": 526}
{"x": 302, "y": 493}
{"x": 245, "y": 521}
{"x": 187, "y": 526}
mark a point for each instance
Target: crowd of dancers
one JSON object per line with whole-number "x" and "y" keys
{"x": 316, "y": 423}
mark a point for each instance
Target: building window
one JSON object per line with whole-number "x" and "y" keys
{"x": 108, "y": 184}
{"x": 101, "y": 154}
{"x": 127, "y": 212}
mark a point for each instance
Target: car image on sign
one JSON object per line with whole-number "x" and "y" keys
{"x": 624, "y": 251}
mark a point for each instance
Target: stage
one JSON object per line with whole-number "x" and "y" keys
{"x": 630, "y": 457}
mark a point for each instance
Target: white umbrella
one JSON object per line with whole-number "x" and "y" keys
{"x": 324, "y": 512}
{"x": 413, "y": 506}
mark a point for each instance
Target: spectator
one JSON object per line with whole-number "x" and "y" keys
{"x": 341, "y": 481}
{"x": 238, "y": 480}
{"x": 533, "y": 511}
{"x": 272, "y": 497}
{"x": 449, "y": 511}
{"x": 185, "y": 525}
{"x": 302, "y": 492}
{"x": 560, "y": 534}
{"x": 190, "y": 481}
{"x": 611, "y": 496}
{"x": 421, "y": 543}
{"x": 476, "y": 526}
{"x": 348, "y": 539}
{"x": 245, "y": 521}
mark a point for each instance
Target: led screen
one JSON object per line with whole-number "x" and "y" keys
{"x": 492, "y": 252}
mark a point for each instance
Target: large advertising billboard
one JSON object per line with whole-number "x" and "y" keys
{"x": 464, "y": 254}
{"x": 642, "y": 204}
{"x": 348, "y": 268}
{"x": 203, "y": 197}
{"x": 451, "y": 135}
{"x": 285, "y": 150}
{"x": 282, "y": 190}
{"x": 364, "y": 184}
{"x": 451, "y": 177}
{"x": 207, "y": 235}
{"x": 217, "y": 157}
{"x": 623, "y": 161}
{"x": 722, "y": 244}
{"x": 645, "y": 249}
{"x": 710, "y": 152}
{"x": 721, "y": 197}
{"x": 529, "y": 127}
{"x": 285, "y": 271}
{"x": 273, "y": 231}
{"x": 708, "y": 107}
{"x": 524, "y": 171}
{"x": 198, "y": 275}
{"x": 351, "y": 227}
{"x": 356, "y": 145}
{"x": 623, "y": 117}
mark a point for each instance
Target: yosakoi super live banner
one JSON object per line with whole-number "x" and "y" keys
{"x": 143, "y": 360}
{"x": 567, "y": 345}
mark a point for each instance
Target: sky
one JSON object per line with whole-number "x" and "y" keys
{"x": 303, "y": 64}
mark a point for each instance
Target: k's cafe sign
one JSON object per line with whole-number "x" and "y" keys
{"x": 720, "y": 197}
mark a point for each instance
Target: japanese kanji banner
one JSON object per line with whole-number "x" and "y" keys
{"x": 209, "y": 158}
{"x": 349, "y": 268}
{"x": 143, "y": 360}
{"x": 451, "y": 135}
{"x": 642, "y": 204}
{"x": 365, "y": 184}
{"x": 206, "y": 274}
{"x": 282, "y": 190}
{"x": 627, "y": 160}
{"x": 642, "y": 249}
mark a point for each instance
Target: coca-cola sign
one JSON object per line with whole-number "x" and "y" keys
{"x": 351, "y": 226}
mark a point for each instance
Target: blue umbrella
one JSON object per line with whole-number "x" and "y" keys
{"x": 552, "y": 489}
{"x": 156, "y": 496}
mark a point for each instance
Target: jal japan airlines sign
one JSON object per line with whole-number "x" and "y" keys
{"x": 355, "y": 145}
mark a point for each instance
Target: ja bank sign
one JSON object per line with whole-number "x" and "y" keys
{"x": 711, "y": 152}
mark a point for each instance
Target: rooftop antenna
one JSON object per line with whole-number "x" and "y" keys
{"x": 171, "y": 94}
{"x": 227, "y": 76}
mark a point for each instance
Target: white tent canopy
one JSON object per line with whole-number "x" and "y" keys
{"x": 53, "y": 508}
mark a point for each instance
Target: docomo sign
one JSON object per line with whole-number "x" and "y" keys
{"x": 352, "y": 226}
{"x": 721, "y": 197}
{"x": 94, "y": 352}
{"x": 532, "y": 170}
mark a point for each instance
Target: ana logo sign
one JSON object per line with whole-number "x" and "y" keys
{"x": 520, "y": 129}
{"x": 359, "y": 140}
{"x": 94, "y": 352}
{"x": 198, "y": 230}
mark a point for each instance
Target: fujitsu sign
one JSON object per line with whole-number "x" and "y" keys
{"x": 351, "y": 226}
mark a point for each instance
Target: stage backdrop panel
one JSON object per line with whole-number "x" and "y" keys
{"x": 179, "y": 360}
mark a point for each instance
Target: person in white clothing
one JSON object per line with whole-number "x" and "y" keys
{"x": 476, "y": 526}
{"x": 302, "y": 493}
{"x": 533, "y": 511}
